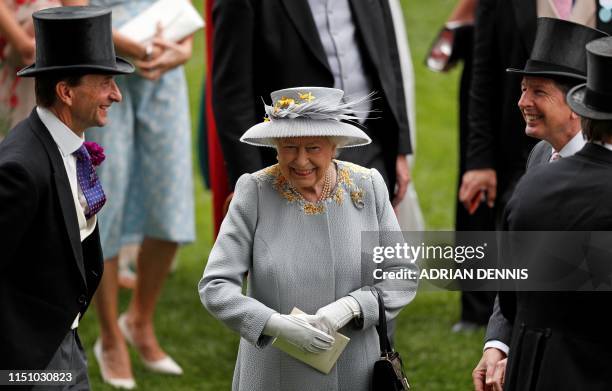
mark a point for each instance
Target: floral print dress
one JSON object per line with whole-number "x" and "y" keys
{"x": 17, "y": 94}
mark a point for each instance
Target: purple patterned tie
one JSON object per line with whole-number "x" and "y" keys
{"x": 89, "y": 182}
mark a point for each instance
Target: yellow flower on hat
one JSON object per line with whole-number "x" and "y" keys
{"x": 285, "y": 102}
{"x": 307, "y": 97}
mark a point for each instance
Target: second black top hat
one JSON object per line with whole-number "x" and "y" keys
{"x": 75, "y": 39}
{"x": 558, "y": 50}
{"x": 594, "y": 99}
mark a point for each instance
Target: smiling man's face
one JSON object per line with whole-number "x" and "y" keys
{"x": 544, "y": 108}
{"x": 92, "y": 98}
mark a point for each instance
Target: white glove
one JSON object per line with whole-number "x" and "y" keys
{"x": 298, "y": 332}
{"x": 334, "y": 316}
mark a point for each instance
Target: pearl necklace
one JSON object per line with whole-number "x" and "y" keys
{"x": 326, "y": 187}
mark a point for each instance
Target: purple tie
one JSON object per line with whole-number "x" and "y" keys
{"x": 89, "y": 182}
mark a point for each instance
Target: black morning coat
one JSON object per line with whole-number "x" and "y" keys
{"x": 265, "y": 45}
{"x": 562, "y": 340}
{"x": 47, "y": 276}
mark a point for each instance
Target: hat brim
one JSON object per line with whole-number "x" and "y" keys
{"x": 575, "y": 100}
{"x": 123, "y": 67}
{"x": 547, "y": 74}
{"x": 264, "y": 134}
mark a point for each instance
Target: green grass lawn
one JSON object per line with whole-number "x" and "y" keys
{"x": 434, "y": 358}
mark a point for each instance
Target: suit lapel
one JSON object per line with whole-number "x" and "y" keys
{"x": 363, "y": 12}
{"x": 525, "y": 14}
{"x": 62, "y": 187}
{"x": 301, "y": 16}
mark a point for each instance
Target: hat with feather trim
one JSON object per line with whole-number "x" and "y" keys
{"x": 308, "y": 112}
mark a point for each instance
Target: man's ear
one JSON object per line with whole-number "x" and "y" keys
{"x": 574, "y": 116}
{"x": 64, "y": 93}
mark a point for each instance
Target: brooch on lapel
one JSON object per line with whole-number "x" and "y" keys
{"x": 357, "y": 198}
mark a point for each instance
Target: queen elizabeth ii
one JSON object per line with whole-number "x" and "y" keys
{"x": 295, "y": 230}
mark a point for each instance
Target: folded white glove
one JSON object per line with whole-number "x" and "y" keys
{"x": 334, "y": 316}
{"x": 298, "y": 332}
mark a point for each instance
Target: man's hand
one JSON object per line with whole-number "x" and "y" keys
{"x": 489, "y": 374}
{"x": 476, "y": 180}
{"x": 402, "y": 179}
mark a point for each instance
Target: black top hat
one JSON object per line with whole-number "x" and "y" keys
{"x": 558, "y": 50}
{"x": 594, "y": 99}
{"x": 75, "y": 39}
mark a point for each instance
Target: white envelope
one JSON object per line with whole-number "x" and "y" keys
{"x": 178, "y": 19}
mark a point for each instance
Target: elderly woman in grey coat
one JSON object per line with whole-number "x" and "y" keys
{"x": 295, "y": 230}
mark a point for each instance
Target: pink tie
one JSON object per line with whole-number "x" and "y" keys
{"x": 564, "y": 8}
{"x": 555, "y": 156}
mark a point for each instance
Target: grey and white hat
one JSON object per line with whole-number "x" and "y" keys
{"x": 308, "y": 112}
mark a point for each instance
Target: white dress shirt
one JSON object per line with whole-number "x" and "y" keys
{"x": 67, "y": 143}
{"x": 573, "y": 146}
{"x": 338, "y": 33}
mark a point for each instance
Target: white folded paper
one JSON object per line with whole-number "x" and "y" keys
{"x": 177, "y": 18}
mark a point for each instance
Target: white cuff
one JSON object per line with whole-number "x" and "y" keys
{"x": 499, "y": 345}
{"x": 273, "y": 325}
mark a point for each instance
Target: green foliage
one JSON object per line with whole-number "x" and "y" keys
{"x": 435, "y": 359}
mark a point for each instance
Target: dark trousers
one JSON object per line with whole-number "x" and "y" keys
{"x": 69, "y": 357}
{"x": 476, "y": 307}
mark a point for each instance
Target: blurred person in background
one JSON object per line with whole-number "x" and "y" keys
{"x": 148, "y": 179}
{"x": 18, "y": 49}
{"x": 453, "y": 44}
{"x": 346, "y": 44}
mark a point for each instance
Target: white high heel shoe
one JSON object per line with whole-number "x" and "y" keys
{"x": 121, "y": 383}
{"x": 164, "y": 365}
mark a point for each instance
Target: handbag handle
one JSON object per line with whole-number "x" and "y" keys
{"x": 383, "y": 337}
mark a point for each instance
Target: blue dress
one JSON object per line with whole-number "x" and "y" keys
{"x": 147, "y": 174}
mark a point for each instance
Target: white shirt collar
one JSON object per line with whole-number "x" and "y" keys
{"x": 67, "y": 141}
{"x": 573, "y": 146}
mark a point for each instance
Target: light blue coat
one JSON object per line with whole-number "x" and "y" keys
{"x": 303, "y": 255}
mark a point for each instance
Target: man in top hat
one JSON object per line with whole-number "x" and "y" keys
{"x": 504, "y": 34}
{"x": 563, "y": 342}
{"x": 496, "y": 149}
{"x": 51, "y": 259}
{"x": 557, "y": 63}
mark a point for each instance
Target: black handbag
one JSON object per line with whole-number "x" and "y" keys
{"x": 388, "y": 369}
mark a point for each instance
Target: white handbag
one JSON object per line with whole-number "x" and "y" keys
{"x": 178, "y": 20}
